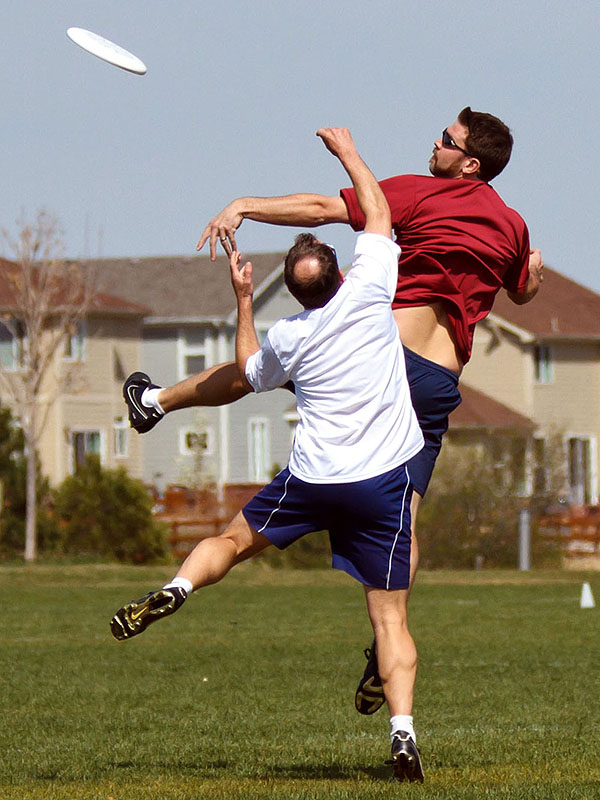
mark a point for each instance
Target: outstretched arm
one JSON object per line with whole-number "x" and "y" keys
{"x": 299, "y": 210}
{"x": 370, "y": 198}
{"x": 536, "y": 276}
{"x": 246, "y": 340}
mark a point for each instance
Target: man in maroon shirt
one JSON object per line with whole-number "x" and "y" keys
{"x": 460, "y": 245}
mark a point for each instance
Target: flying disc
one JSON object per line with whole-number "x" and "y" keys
{"x": 106, "y": 50}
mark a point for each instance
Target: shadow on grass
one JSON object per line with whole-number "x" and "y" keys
{"x": 291, "y": 771}
{"x": 327, "y": 771}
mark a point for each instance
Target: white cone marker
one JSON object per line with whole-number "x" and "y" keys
{"x": 587, "y": 598}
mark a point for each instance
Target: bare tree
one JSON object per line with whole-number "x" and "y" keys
{"x": 42, "y": 299}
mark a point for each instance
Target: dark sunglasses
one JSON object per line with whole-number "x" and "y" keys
{"x": 448, "y": 141}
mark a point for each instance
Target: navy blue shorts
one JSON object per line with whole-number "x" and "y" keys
{"x": 368, "y": 522}
{"x": 434, "y": 394}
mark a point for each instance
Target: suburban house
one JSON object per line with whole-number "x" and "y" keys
{"x": 192, "y": 327}
{"x": 533, "y": 380}
{"x": 81, "y": 392}
{"x": 540, "y": 363}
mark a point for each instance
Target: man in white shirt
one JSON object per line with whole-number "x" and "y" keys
{"x": 357, "y": 430}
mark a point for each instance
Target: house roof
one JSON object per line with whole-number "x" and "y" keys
{"x": 101, "y": 302}
{"x": 561, "y": 309}
{"x": 179, "y": 288}
{"x": 478, "y": 411}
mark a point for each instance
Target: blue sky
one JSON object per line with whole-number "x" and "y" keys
{"x": 135, "y": 166}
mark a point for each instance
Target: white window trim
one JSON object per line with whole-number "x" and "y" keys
{"x": 79, "y": 338}
{"x": 184, "y": 350}
{"x": 102, "y": 454}
{"x": 16, "y": 344}
{"x": 184, "y": 432}
{"x": 593, "y": 474}
{"x": 252, "y": 476}
{"x": 121, "y": 424}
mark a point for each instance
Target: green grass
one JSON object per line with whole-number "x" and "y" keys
{"x": 248, "y": 691}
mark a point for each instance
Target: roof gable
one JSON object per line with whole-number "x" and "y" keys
{"x": 180, "y": 287}
{"x": 562, "y": 308}
{"x": 101, "y": 302}
{"x": 479, "y": 411}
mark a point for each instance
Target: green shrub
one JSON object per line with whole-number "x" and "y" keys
{"x": 470, "y": 515}
{"x": 309, "y": 552}
{"x": 108, "y": 513}
{"x": 12, "y": 493}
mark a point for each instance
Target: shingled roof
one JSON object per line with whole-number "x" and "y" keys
{"x": 562, "y": 309}
{"x": 179, "y": 287}
{"x": 101, "y": 302}
{"x": 479, "y": 411}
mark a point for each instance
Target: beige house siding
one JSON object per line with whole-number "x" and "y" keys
{"x": 93, "y": 401}
{"x": 501, "y": 366}
{"x": 572, "y": 399}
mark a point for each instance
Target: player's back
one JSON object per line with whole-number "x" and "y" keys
{"x": 347, "y": 364}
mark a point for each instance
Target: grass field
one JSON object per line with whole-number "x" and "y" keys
{"x": 248, "y": 691}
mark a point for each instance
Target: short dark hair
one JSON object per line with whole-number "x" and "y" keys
{"x": 317, "y": 291}
{"x": 489, "y": 140}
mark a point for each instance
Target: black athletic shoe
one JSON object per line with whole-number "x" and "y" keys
{"x": 135, "y": 617}
{"x": 405, "y": 759}
{"x": 369, "y": 696}
{"x": 141, "y": 417}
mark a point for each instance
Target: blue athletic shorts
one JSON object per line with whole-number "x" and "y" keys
{"x": 434, "y": 394}
{"x": 368, "y": 522}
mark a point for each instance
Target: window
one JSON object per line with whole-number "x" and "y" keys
{"x": 541, "y": 466}
{"x": 582, "y": 474}
{"x": 543, "y": 364}
{"x": 120, "y": 437}
{"x": 85, "y": 443}
{"x": 193, "y": 441}
{"x": 193, "y": 356}
{"x": 75, "y": 343}
{"x": 259, "y": 456}
{"x": 12, "y": 348}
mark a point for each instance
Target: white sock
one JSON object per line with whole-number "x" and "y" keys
{"x": 182, "y": 583}
{"x": 150, "y": 399}
{"x": 402, "y": 722}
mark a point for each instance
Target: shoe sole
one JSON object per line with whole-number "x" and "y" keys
{"x": 135, "y": 617}
{"x": 407, "y": 768}
{"x": 140, "y": 418}
{"x": 369, "y": 697}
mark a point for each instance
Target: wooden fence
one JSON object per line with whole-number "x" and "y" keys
{"x": 576, "y": 529}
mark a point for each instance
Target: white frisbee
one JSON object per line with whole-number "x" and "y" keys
{"x": 106, "y": 50}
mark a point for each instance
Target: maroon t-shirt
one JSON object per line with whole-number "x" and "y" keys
{"x": 460, "y": 244}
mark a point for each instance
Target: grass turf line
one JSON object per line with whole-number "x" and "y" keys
{"x": 505, "y": 704}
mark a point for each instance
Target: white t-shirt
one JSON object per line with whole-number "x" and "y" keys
{"x": 347, "y": 365}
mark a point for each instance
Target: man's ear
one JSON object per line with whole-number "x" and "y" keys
{"x": 471, "y": 167}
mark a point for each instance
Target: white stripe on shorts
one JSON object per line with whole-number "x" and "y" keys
{"x": 387, "y": 582}
{"x": 281, "y": 499}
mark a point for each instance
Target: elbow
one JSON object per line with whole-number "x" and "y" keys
{"x": 326, "y": 210}
{"x": 520, "y": 299}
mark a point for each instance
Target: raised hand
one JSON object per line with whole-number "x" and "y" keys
{"x": 338, "y": 141}
{"x": 222, "y": 228}
{"x": 241, "y": 279}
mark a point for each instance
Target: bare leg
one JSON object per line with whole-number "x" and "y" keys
{"x": 414, "y": 545}
{"x": 396, "y": 651}
{"x": 208, "y": 562}
{"x": 216, "y": 386}
{"x": 212, "y": 558}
